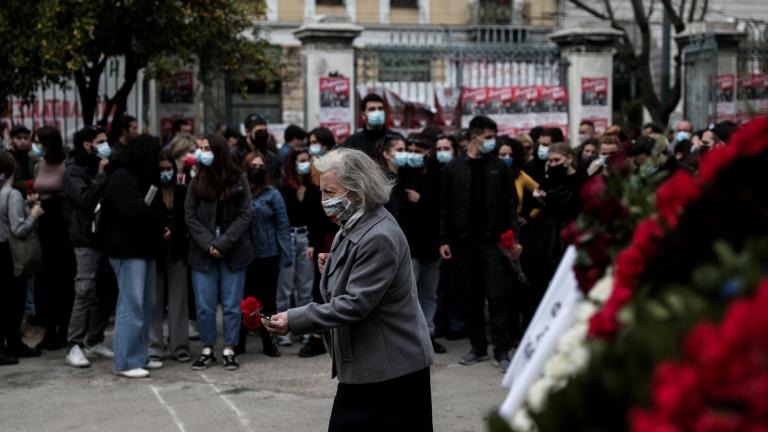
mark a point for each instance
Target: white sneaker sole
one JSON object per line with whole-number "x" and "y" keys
{"x": 75, "y": 365}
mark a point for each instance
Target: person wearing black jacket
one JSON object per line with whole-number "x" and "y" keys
{"x": 478, "y": 205}
{"x": 134, "y": 228}
{"x": 171, "y": 269}
{"x": 375, "y": 126}
{"x": 535, "y": 167}
{"x": 418, "y": 214}
{"x": 83, "y": 182}
{"x": 558, "y": 198}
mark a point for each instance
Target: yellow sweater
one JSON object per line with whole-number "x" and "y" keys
{"x": 524, "y": 183}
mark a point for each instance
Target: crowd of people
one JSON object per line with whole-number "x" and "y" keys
{"x": 158, "y": 232}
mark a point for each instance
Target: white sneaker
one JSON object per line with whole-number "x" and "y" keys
{"x": 154, "y": 363}
{"x": 284, "y": 341}
{"x": 76, "y": 358}
{"x": 99, "y": 350}
{"x": 134, "y": 373}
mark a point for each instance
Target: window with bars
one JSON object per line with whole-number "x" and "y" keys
{"x": 395, "y": 67}
{"x": 413, "y": 4}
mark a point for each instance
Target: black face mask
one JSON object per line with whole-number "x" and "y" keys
{"x": 556, "y": 174}
{"x": 257, "y": 176}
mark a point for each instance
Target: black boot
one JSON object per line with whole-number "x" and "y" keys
{"x": 314, "y": 347}
{"x": 270, "y": 346}
{"x": 7, "y": 359}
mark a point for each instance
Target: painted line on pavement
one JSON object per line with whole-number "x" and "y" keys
{"x": 240, "y": 415}
{"x": 169, "y": 408}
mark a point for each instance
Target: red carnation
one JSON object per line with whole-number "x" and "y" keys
{"x": 587, "y": 277}
{"x": 251, "y": 308}
{"x": 752, "y": 138}
{"x": 712, "y": 421}
{"x": 592, "y": 194}
{"x": 507, "y": 240}
{"x": 603, "y": 324}
{"x": 629, "y": 263}
{"x": 714, "y": 160}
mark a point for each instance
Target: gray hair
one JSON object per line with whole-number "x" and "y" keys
{"x": 358, "y": 173}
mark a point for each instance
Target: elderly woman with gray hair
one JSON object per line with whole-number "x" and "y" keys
{"x": 374, "y": 326}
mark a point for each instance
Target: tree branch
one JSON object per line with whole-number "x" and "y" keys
{"x": 704, "y": 10}
{"x": 681, "y": 11}
{"x": 650, "y": 10}
{"x": 589, "y": 9}
{"x": 691, "y": 12}
{"x": 674, "y": 17}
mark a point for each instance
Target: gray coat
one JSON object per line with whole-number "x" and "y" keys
{"x": 234, "y": 243}
{"x": 377, "y": 331}
{"x": 15, "y": 216}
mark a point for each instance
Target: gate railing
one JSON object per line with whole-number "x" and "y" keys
{"x": 700, "y": 79}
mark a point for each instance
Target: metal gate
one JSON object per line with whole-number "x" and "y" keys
{"x": 416, "y": 62}
{"x": 700, "y": 80}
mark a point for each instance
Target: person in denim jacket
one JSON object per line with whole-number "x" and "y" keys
{"x": 271, "y": 238}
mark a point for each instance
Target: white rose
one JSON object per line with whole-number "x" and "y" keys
{"x": 572, "y": 338}
{"x": 538, "y": 393}
{"x": 603, "y": 288}
{"x": 557, "y": 367}
{"x": 578, "y": 359}
{"x": 522, "y": 422}
{"x": 585, "y": 311}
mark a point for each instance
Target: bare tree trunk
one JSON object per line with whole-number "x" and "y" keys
{"x": 119, "y": 101}
{"x": 88, "y": 79}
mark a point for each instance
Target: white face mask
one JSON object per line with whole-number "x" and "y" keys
{"x": 543, "y": 152}
{"x": 339, "y": 208}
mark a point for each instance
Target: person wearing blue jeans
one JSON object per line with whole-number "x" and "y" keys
{"x": 136, "y": 281}
{"x": 133, "y": 229}
{"x": 217, "y": 211}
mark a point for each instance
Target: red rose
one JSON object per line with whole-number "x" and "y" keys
{"x": 649, "y": 421}
{"x": 674, "y": 194}
{"x": 587, "y": 277}
{"x": 714, "y": 160}
{"x": 712, "y": 421}
{"x": 507, "y": 240}
{"x": 646, "y": 236}
{"x": 570, "y": 233}
{"x": 676, "y": 393}
{"x": 603, "y": 324}
{"x": 629, "y": 263}
{"x": 751, "y": 138}
{"x": 592, "y": 194}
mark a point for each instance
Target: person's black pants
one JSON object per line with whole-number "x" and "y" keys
{"x": 13, "y": 297}
{"x": 482, "y": 273}
{"x": 400, "y": 404}
{"x": 261, "y": 283}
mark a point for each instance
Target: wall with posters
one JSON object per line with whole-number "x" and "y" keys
{"x": 176, "y": 99}
{"x": 336, "y": 105}
{"x": 60, "y": 106}
{"x": 594, "y": 102}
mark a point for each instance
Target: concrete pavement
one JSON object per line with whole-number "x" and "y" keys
{"x": 278, "y": 394}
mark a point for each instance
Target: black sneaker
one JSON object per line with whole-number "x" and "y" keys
{"x": 437, "y": 347}
{"x": 7, "y": 359}
{"x": 230, "y": 361}
{"x": 21, "y": 350}
{"x": 474, "y": 356}
{"x": 204, "y": 361}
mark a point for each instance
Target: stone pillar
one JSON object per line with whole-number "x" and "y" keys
{"x": 327, "y": 51}
{"x": 588, "y": 53}
{"x": 723, "y": 40}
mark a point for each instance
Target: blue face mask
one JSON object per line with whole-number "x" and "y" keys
{"x": 103, "y": 150}
{"x": 205, "y": 157}
{"x": 542, "y": 152}
{"x": 507, "y": 161}
{"x": 682, "y": 136}
{"x": 166, "y": 176}
{"x": 488, "y": 145}
{"x": 415, "y": 160}
{"x": 603, "y": 160}
{"x": 303, "y": 168}
{"x": 401, "y": 159}
{"x": 315, "y": 149}
{"x": 375, "y": 118}
{"x": 444, "y": 156}
{"x": 37, "y": 150}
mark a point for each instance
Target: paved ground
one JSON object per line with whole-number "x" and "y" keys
{"x": 278, "y": 394}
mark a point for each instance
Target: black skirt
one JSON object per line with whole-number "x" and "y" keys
{"x": 400, "y": 404}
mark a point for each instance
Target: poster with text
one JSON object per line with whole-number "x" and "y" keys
{"x": 447, "y": 106}
{"x": 594, "y": 100}
{"x": 335, "y": 100}
{"x": 341, "y": 131}
{"x": 752, "y": 96}
{"x": 726, "y": 105}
